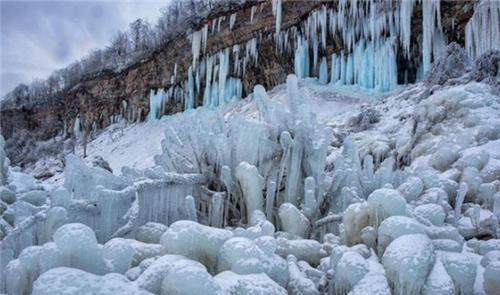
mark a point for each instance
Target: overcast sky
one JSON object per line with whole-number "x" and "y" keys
{"x": 39, "y": 36}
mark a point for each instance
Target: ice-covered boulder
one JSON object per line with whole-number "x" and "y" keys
{"x": 35, "y": 197}
{"x": 243, "y": 256}
{"x": 7, "y": 195}
{"x": 462, "y": 269}
{"x": 150, "y": 232}
{"x": 188, "y": 277}
{"x": 443, "y": 158}
{"x": 70, "y": 281}
{"x": 143, "y": 250}
{"x": 298, "y": 282}
{"x": 195, "y": 241}
{"x": 250, "y": 284}
{"x": 490, "y": 257}
{"x": 431, "y": 212}
{"x": 474, "y": 159}
{"x": 374, "y": 282}
{"x": 152, "y": 277}
{"x": 252, "y": 184}
{"x": 407, "y": 262}
{"x": 293, "y": 221}
{"x": 491, "y": 282}
{"x": 394, "y": 227}
{"x": 356, "y": 217}
{"x": 78, "y": 244}
{"x": 411, "y": 188}
{"x": 447, "y": 245}
{"x": 384, "y": 203}
{"x": 119, "y": 254}
{"x": 438, "y": 281}
{"x": 349, "y": 270}
{"x": 310, "y": 251}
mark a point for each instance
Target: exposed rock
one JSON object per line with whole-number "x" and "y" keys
{"x": 487, "y": 67}
{"x": 452, "y": 64}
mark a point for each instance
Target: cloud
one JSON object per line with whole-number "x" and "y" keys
{"x": 38, "y": 37}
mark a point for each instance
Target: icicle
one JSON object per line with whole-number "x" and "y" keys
{"x": 323, "y": 72}
{"x": 335, "y": 72}
{"x": 232, "y": 20}
{"x": 405, "y": 13}
{"x": 223, "y": 72}
{"x": 156, "y": 104}
{"x": 277, "y": 10}
{"x": 190, "y": 208}
{"x": 196, "y": 46}
{"x": 301, "y": 59}
{"x": 204, "y": 38}
{"x": 431, "y": 23}
{"x": 482, "y": 32}
{"x": 271, "y": 193}
{"x": 76, "y": 128}
{"x": 217, "y": 210}
{"x": 191, "y": 90}
{"x": 252, "y": 13}
{"x": 309, "y": 196}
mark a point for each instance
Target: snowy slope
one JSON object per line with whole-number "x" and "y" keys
{"x": 136, "y": 145}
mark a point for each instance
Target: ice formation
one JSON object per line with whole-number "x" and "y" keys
{"x": 302, "y": 190}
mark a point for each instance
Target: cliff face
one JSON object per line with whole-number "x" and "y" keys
{"x": 97, "y": 101}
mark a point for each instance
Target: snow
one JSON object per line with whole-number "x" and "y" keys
{"x": 64, "y": 280}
